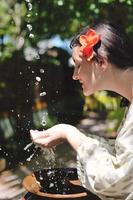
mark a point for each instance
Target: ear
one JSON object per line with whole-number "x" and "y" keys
{"x": 103, "y": 63}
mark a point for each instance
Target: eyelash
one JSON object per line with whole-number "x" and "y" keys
{"x": 77, "y": 65}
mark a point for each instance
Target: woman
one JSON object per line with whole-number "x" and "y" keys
{"x": 103, "y": 61}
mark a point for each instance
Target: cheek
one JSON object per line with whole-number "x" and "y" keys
{"x": 86, "y": 74}
{"x": 89, "y": 83}
{"x": 90, "y": 79}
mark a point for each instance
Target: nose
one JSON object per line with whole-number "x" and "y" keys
{"x": 75, "y": 74}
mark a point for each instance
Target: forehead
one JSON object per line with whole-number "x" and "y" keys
{"x": 76, "y": 54}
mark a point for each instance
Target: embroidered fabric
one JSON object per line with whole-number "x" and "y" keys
{"x": 105, "y": 169}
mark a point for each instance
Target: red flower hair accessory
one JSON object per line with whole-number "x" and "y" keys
{"x": 88, "y": 41}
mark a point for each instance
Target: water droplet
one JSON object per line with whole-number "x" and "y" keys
{"x": 38, "y": 78}
{"x": 43, "y": 123}
{"x": 51, "y": 185}
{"x": 29, "y": 26}
{"x": 37, "y": 162}
{"x": 37, "y": 57}
{"x": 29, "y": 159}
{"x": 42, "y": 94}
{"x": 30, "y": 6}
{"x": 60, "y": 3}
{"x": 28, "y": 145}
{"x": 42, "y": 71}
{"x": 28, "y": 15}
{"x": 31, "y": 35}
{"x": 36, "y": 83}
{"x": 41, "y": 178}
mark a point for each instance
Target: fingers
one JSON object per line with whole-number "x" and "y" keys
{"x": 40, "y": 138}
{"x": 35, "y": 134}
{"x": 42, "y": 141}
{"x": 48, "y": 142}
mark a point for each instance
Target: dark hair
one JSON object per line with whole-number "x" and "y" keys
{"x": 114, "y": 44}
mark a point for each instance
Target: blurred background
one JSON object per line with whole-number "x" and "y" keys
{"x": 36, "y": 88}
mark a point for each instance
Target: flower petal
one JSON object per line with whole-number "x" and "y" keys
{"x": 87, "y": 51}
{"x": 83, "y": 40}
{"x": 90, "y": 32}
{"x": 91, "y": 56}
{"x": 88, "y": 41}
{"x": 94, "y": 40}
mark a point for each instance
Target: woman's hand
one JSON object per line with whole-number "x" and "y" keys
{"x": 50, "y": 137}
{"x": 56, "y": 135}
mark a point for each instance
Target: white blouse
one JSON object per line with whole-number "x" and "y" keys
{"x": 106, "y": 167}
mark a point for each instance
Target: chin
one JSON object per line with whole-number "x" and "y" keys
{"x": 87, "y": 93}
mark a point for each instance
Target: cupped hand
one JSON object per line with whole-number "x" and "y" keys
{"x": 56, "y": 135}
{"x": 50, "y": 137}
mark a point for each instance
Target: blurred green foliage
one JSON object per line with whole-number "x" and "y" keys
{"x": 107, "y": 104}
{"x": 48, "y": 18}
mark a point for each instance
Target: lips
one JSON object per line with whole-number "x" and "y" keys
{"x": 82, "y": 85}
{"x": 80, "y": 81}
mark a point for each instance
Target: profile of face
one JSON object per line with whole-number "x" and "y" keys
{"x": 89, "y": 73}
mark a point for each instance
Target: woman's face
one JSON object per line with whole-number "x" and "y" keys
{"x": 87, "y": 72}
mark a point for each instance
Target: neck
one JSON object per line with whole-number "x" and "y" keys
{"x": 121, "y": 82}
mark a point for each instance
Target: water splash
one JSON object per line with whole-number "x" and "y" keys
{"x": 48, "y": 154}
{"x": 40, "y": 176}
{"x": 29, "y": 6}
{"x": 41, "y": 70}
{"x": 37, "y": 56}
{"x": 43, "y": 123}
{"x": 28, "y": 15}
{"x": 31, "y": 35}
{"x": 33, "y": 154}
{"x": 29, "y": 26}
{"x": 28, "y": 145}
{"x": 43, "y": 94}
{"x": 38, "y": 78}
{"x": 36, "y": 83}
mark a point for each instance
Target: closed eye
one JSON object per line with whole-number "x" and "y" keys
{"x": 77, "y": 65}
